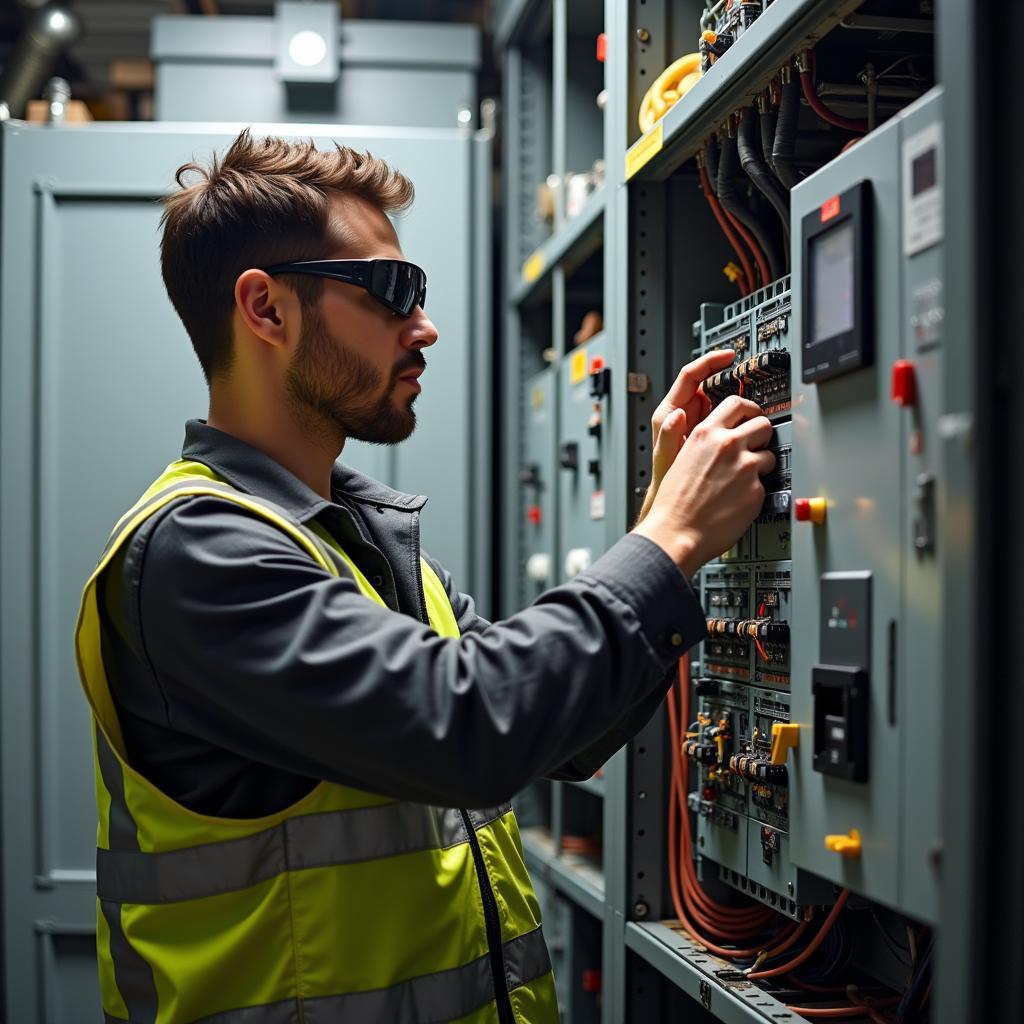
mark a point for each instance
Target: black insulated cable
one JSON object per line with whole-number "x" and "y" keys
{"x": 784, "y": 145}
{"x": 711, "y": 162}
{"x": 731, "y": 199}
{"x": 757, "y": 170}
{"x": 769, "y": 116}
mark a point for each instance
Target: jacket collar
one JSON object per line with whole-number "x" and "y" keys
{"x": 254, "y": 472}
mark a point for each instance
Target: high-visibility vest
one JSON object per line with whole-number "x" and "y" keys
{"x": 347, "y": 906}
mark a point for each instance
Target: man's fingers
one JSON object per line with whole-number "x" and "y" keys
{"x": 693, "y": 374}
{"x": 765, "y": 461}
{"x": 734, "y": 411}
{"x": 669, "y": 441}
{"x": 757, "y": 432}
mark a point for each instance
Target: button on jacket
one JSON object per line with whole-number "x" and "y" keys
{"x": 250, "y": 676}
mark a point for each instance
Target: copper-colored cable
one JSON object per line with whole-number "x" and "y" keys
{"x": 812, "y": 946}
{"x": 759, "y": 257}
{"x": 684, "y": 892}
{"x": 747, "y": 285}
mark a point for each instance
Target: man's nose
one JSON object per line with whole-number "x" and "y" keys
{"x": 420, "y": 332}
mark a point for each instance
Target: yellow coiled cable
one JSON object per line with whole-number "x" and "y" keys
{"x": 668, "y": 89}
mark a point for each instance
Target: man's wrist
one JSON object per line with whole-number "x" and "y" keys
{"x": 679, "y": 545}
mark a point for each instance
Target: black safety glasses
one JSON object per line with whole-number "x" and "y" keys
{"x": 398, "y": 285}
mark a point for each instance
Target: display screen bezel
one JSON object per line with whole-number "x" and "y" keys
{"x": 851, "y": 349}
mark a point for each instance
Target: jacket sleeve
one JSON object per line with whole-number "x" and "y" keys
{"x": 585, "y": 762}
{"x": 258, "y": 650}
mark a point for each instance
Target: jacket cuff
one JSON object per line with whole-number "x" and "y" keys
{"x": 667, "y": 607}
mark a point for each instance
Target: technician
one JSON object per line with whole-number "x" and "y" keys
{"x": 290, "y": 697}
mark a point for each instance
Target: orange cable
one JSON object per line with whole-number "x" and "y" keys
{"x": 746, "y": 285}
{"x": 759, "y": 256}
{"x": 812, "y": 946}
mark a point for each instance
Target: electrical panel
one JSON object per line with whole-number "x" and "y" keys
{"x": 773, "y": 840}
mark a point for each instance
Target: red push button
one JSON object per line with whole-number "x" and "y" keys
{"x": 809, "y": 510}
{"x": 904, "y": 383}
{"x": 602, "y": 47}
{"x": 592, "y": 981}
{"x": 533, "y": 515}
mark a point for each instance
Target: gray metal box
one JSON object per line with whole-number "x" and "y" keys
{"x": 387, "y": 73}
{"x": 872, "y": 506}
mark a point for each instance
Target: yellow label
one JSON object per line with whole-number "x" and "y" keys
{"x": 537, "y": 398}
{"x": 578, "y": 367}
{"x": 643, "y": 149}
{"x": 533, "y": 267}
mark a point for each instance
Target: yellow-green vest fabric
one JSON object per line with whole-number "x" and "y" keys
{"x": 346, "y": 906}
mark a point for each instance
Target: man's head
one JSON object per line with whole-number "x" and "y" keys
{"x": 345, "y": 364}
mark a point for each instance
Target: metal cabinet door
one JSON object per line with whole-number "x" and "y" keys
{"x": 97, "y": 378}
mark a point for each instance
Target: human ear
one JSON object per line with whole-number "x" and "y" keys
{"x": 265, "y": 306}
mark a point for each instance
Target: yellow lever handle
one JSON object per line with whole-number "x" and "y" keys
{"x": 845, "y": 846}
{"x": 785, "y": 737}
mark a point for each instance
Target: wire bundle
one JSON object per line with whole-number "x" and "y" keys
{"x": 752, "y": 933}
{"x": 668, "y": 89}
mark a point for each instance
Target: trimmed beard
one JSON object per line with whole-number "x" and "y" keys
{"x": 328, "y": 387}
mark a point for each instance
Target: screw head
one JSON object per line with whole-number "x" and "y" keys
{"x": 789, "y": 888}
{"x": 643, "y": 35}
{"x": 640, "y": 909}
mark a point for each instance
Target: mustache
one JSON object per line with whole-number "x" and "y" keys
{"x": 414, "y": 362}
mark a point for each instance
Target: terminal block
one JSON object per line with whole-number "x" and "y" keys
{"x": 758, "y": 769}
{"x": 764, "y": 379}
{"x": 761, "y": 629}
{"x": 703, "y": 753}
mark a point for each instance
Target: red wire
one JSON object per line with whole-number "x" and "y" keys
{"x": 759, "y": 256}
{"x": 865, "y": 1009}
{"x": 811, "y": 947}
{"x": 811, "y": 95}
{"x": 716, "y": 208}
{"x": 690, "y": 901}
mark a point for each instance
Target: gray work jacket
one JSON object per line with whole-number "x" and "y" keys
{"x": 242, "y": 672}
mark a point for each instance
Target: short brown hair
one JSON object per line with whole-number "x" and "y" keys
{"x": 266, "y": 201}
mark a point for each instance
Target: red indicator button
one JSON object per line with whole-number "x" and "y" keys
{"x": 809, "y": 510}
{"x": 597, "y": 364}
{"x": 533, "y": 515}
{"x": 829, "y": 209}
{"x": 602, "y": 47}
{"x": 904, "y": 383}
{"x": 592, "y": 981}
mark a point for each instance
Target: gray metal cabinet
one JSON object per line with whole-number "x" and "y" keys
{"x": 96, "y": 380}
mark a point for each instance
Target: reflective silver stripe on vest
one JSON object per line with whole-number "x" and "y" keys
{"x": 132, "y": 973}
{"x": 444, "y": 996}
{"x": 121, "y": 831}
{"x": 482, "y": 818}
{"x": 306, "y": 841}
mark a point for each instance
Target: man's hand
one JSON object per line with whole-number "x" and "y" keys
{"x": 712, "y": 491}
{"x": 680, "y": 411}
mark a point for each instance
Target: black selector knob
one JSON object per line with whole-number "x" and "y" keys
{"x": 529, "y": 476}
{"x": 569, "y": 455}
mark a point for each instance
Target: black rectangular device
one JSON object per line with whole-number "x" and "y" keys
{"x": 836, "y": 286}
